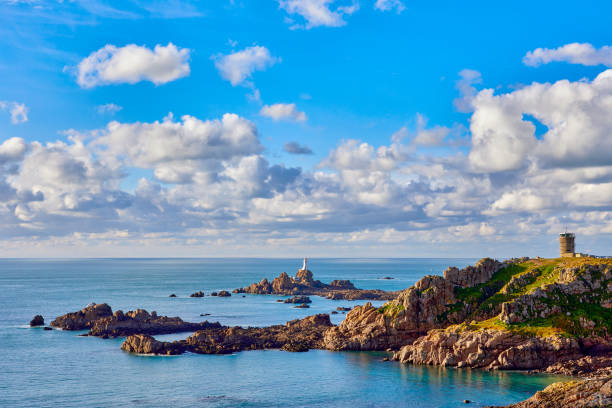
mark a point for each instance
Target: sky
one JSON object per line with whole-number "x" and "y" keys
{"x": 292, "y": 128}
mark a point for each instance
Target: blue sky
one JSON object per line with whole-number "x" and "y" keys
{"x": 373, "y": 71}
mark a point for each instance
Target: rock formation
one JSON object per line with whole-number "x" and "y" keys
{"x": 296, "y": 335}
{"x": 491, "y": 349}
{"x": 304, "y": 284}
{"x": 555, "y": 316}
{"x": 38, "y": 320}
{"x": 195, "y": 294}
{"x": 298, "y": 299}
{"x": 101, "y": 322}
{"x": 589, "y": 393}
{"x": 411, "y": 314}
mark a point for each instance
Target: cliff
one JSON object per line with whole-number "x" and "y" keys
{"x": 547, "y": 316}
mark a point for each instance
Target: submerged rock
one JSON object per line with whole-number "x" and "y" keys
{"x": 297, "y": 299}
{"x": 38, "y": 320}
{"x": 302, "y": 306}
{"x": 172, "y": 295}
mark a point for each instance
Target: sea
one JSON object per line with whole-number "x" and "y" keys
{"x": 57, "y": 368}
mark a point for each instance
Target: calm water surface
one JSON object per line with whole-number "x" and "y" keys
{"x": 58, "y": 369}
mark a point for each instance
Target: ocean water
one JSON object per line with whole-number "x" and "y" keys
{"x": 59, "y": 369}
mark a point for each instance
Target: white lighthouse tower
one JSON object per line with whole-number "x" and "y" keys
{"x": 305, "y": 265}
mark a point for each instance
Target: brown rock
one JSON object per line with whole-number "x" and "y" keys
{"x": 84, "y": 318}
{"x": 38, "y": 320}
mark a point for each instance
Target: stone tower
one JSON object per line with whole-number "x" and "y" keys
{"x": 567, "y": 247}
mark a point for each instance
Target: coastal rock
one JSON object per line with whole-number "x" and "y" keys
{"x": 197, "y": 294}
{"x": 224, "y": 293}
{"x": 473, "y": 275}
{"x": 84, "y": 318}
{"x": 101, "y": 322}
{"x": 305, "y": 284}
{"x": 144, "y": 344}
{"x": 38, "y": 320}
{"x": 491, "y": 349}
{"x": 298, "y": 299}
{"x": 172, "y": 295}
{"x": 589, "y": 393}
{"x": 296, "y": 335}
{"x": 398, "y": 322}
{"x": 302, "y": 306}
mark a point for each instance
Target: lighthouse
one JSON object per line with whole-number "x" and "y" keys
{"x": 305, "y": 265}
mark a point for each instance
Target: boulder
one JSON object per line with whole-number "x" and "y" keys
{"x": 224, "y": 293}
{"x": 38, "y": 320}
{"x": 197, "y": 294}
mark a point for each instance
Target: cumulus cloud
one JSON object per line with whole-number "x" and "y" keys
{"x": 182, "y": 151}
{"x": 574, "y": 53}
{"x": 238, "y": 67}
{"x": 504, "y": 139}
{"x": 283, "y": 111}
{"x": 108, "y": 108}
{"x": 133, "y": 63}
{"x": 296, "y": 148}
{"x": 18, "y": 111}
{"x": 316, "y": 13}
{"x": 387, "y": 5}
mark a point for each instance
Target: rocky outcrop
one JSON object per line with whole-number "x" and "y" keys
{"x": 145, "y": 344}
{"x": 224, "y": 293}
{"x": 84, "y": 318}
{"x": 304, "y": 284}
{"x": 197, "y": 294}
{"x": 589, "y": 393}
{"x": 491, "y": 349}
{"x": 296, "y": 335}
{"x": 470, "y": 276}
{"x": 586, "y": 284}
{"x": 101, "y": 322}
{"x": 398, "y": 322}
{"x": 298, "y": 300}
{"x": 38, "y": 320}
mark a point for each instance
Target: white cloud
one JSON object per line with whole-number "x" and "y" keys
{"x": 318, "y": 13}
{"x": 132, "y": 64}
{"x": 574, "y": 53}
{"x": 238, "y": 67}
{"x": 387, "y": 5}
{"x": 283, "y": 111}
{"x": 108, "y": 108}
{"x": 180, "y": 152}
{"x": 18, "y": 111}
{"x": 465, "y": 84}
{"x": 575, "y": 114}
{"x": 12, "y": 150}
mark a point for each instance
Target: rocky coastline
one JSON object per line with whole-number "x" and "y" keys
{"x": 296, "y": 335}
{"x": 538, "y": 315}
{"x": 304, "y": 284}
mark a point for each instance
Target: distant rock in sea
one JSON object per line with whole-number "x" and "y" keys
{"x": 38, "y": 320}
{"x": 197, "y": 294}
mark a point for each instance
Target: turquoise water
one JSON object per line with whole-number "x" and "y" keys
{"x": 58, "y": 369}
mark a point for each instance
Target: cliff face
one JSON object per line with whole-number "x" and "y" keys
{"x": 426, "y": 305}
{"x": 553, "y": 315}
